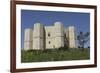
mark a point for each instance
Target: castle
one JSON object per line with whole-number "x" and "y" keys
{"x": 49, "y": 37}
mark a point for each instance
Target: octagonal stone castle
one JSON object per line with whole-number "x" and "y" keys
{"x": 49, "y": 37}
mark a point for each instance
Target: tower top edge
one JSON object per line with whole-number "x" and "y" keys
{"x": 58, "y": 23}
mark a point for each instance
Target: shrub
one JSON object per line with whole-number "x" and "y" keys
{"x": 63, "y": 48}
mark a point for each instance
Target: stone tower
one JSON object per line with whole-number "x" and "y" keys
{"x": 71, "y": 37}
{"x": 49, "y": 37}
{"x": 38, "y": 37}
{"x": 59, "y": 34}
{"x": 28, "y": 39}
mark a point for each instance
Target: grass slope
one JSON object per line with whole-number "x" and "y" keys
{"x": 54, "y": 55}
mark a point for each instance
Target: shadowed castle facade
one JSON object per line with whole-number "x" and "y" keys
{"x": 49, "y": 37}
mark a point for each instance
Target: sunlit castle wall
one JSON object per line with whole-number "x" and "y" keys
{"x": 49, "y": 37}
{"x": 59, "y": 34}
{"x": 28, "y": 39}
{"x": 72, "y": 37}
{"x": 38, "y": 37}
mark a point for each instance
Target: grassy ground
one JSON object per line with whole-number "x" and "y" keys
{"x": 54, "y": 55}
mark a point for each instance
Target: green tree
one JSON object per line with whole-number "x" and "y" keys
{"x": 83, "y": 38}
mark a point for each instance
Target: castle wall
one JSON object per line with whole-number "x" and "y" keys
{"x": 28, "y": 39}
{"x": 54, "y": 36}
{"x": 49, "y": 33}
{"x": 59, "y": 34}
{"x": 38, "y": 37}
{"x": 72, "y": 37}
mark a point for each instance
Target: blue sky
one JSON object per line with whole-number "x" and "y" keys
{"x": 81, "y": 21}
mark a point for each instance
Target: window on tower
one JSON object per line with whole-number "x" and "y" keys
{"x": 49, "y": 42}
{"x": 48, "y": 34}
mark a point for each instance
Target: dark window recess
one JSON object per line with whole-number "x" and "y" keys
{"x": 49, "y": 34}
{"x": 49, "y": 42}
